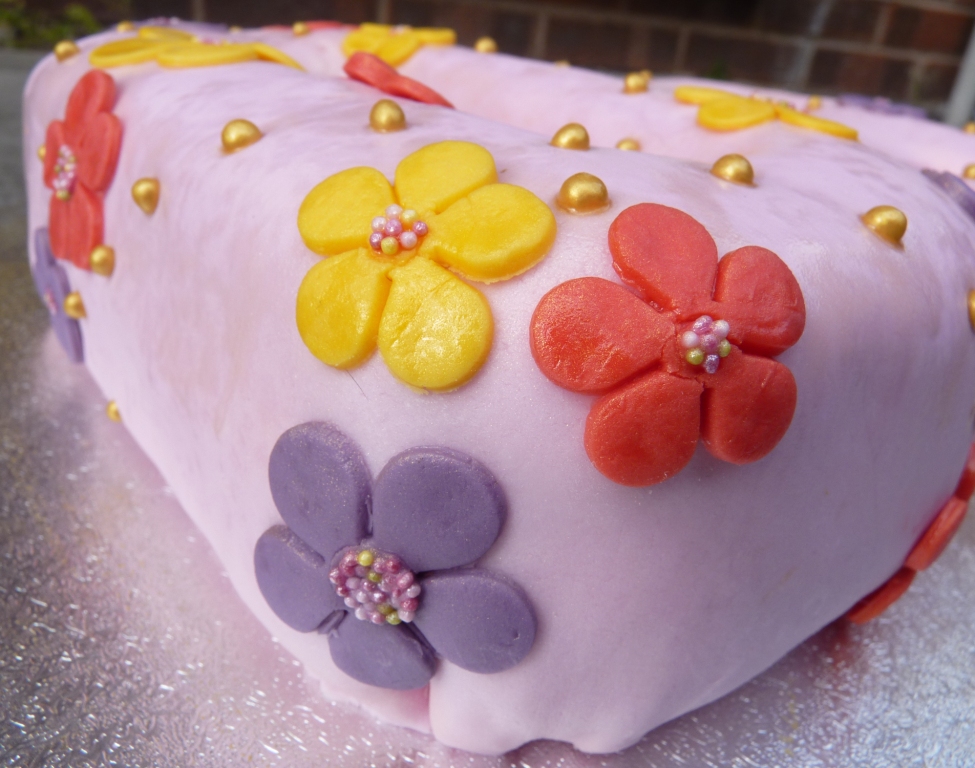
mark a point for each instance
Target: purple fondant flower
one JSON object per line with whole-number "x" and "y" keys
{"x": 52, "y": 285}
{"x": 882, "y": 105}
{"x": 381, "y": 568}
{"x": 955, "y": 188}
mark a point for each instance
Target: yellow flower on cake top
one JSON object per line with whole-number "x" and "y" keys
{"x": 393, "y": 249}
{"x": 394, "y": 45}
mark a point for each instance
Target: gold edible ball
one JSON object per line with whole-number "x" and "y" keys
{"x": 970, "y": 127}
{"x": 571, "y": 136}
{"x": 637, "y": 82}
{"x": 238, "y": 134}
{"x": 300, "y": 28}
{"x": 583, "y": 193}
{"x": 65, "y": 50}
{"x": 814, "y": 102}
{"x": 888, "y": 222}
{"x": 734, "y": 168}
{"x": 486, "y": 45}
{"x": 102, "y": 260}
{"x": 42, "y": 152}
{"x": 112, "y": 411}
{"x": 971, "y": 309}
{"x": 125, "y": 26}
{"x": 561, "y": 63}
{"x": 234, "y": 29}
{"x": 386, "y": 116}
{"x": 629, "y": 145}
{"x": 969, "y": 171}
{"x": 145, "y": 192}
{"x": 73, "y": 306}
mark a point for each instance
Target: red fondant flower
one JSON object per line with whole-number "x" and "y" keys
{"x": 687, "y": 356}
{"x": 79, "y": 162}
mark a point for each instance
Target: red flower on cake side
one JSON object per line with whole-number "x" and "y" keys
{"x": 80, "y": 154}
{"x": 686, "y": 356}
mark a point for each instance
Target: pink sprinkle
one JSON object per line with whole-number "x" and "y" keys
{"x": 408, "y": 240}
{"x": 711, "y": 363}
{"x": 378, "y": 597}
{"x": 413, "y": 591}
{"x": 420, "y": 228}
{"x": 377, "y": 618}
{"x": 393, "y": 227}
{"x": 334, "y": 575}
{"x": 353, "y": 582}
{"x": 376, "y": 241}
{"x": 361, "y": 614}
{"x": 393, "y": 564}
{"x": 361, "y": 571}
{"x": 406, "y": 616}
{"x": 351, "y": 602}
{"x": 404, "y": 580}
{"x": 362, "y": 596}
{"x": 703, "y": 324}
{"x": 342, "y": 591}
{"x": 410, "y": 604}
{"x": 709, "y": 343}
{"x": 378, "y": 223}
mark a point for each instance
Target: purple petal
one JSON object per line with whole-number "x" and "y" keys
{"x": 294, "y": 579}
{"x": 52, "y": 285}
{"x": 476, "y": 619}
{"x": 436, "y": 508}
{"x": 320, "y": 484}
{"x": 381, "y": 655}
{"x": 955, "y": 188}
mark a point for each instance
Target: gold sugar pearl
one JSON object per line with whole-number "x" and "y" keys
{"x": 238, "y": 134}
{"x": 969, "y": 171}
{"x": 734, "y": 168}
{"x": 971, "y": 309}
{"x": 42, "y": 152}
{"x": 583, "y": 193}
{"x": 125, "y": 26}
{"x": 112, "y": 411}
{"x": 145, "y": 192}
{"x": 571, "y": 136}
{"x": 969, "y": 127}
{"x": 387, "y": 116}
{"x": 486, "y": 45}
{"x": 234, "y": 29}
{"x": 629, "y": 145}
{"x": 814, "y": 102}
{"x": 300, "y": 28}
{"x": 102, "y": 260}
{"x": 66, "y": 49}
{"x": 637, "y": 82}
{"x": 562, "y": 63}
{"x": 74, "y": 307}
{"x": 887, "y": 222}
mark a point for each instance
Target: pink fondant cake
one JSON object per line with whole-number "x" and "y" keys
{"x": 506, "y": 440}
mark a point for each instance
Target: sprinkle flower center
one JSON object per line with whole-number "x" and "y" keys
{"x": 706, "y": 343}
{"x": 65, "y": 169}
{"x": 376, "y": 586}
{"x": 397, "y": 230}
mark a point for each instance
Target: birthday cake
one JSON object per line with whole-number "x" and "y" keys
{"x": 506, "y": 436}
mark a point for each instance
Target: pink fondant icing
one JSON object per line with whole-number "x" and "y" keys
{"x": 194, "y": 336}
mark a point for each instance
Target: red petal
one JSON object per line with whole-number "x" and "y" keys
{"x": 645, "y": 431}
{"x": 761, "y": 300}
{"x": 589, "y": 334}
{"x": 666, "y": 254}
{"x": 98, "y": 151}
{"x": 938, "y": 535}
{"x": 966, "y": 486}
{"x": 93, "y": 93}
{"x": 76, "y": 226}
{"x": 747, "y": 408}
{"x": 881, "y": 599}
{"x": 52, "y": 144}
{"x": 371, "y": 70}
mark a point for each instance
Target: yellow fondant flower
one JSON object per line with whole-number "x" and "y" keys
{"x": 175, "y": 48}
{"x": 725, "y": 111}
{"x": 394, "y": 45}
{"x": 393, "y": 250}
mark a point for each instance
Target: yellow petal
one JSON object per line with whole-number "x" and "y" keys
{"x": 336, "y": 216}
{"x": 732, "y": 113}
{"x": 436, "y": 330}
{"x": 339, "y": 305}
{"x": 802, "y": 120}
{"x": 496, "y": 232}
{"x": 205, "y": 55}
{"x": 129, "y": 50}
{"x": 368, "y": 38}
{"x": 397, "y": 48}
{"x": 696, "y": 94}
{"x": 435, "y": 35}
{"x": 435, "y": 177}
{"x": 165, "y": 33}
{"x": 266, "y": 52}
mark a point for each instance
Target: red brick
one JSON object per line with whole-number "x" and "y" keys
{"x": 852, "y": 20}
{"x": 588, "y": 44}
{"x": 924, "y": 30}
{"x": 757, "y": 62}
{"x": 936, "y": 82}
{"x": 833, "y": 71}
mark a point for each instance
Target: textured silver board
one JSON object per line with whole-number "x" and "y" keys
{"x": 122, "y": 643}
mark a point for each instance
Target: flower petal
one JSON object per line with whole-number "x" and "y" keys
{"x": 747, "y": 408}
{"x": 436, "y": 508}
{"x": 294, "y": 579}
{"x": 397, "y": 48}
{"x": 878, "y": 601}
{"x": 761, "y": 300}
{"x": 438, "y": 175}
{"x": 129, "y": 50}
{"x": 589, "y": 334}
{"x": 494, "y": 233}
{"x": 320, "y": 484}
{"x": 732, "y": 113}
{"x": 385, "y": 656}
{"x": 367, "y": 37}
{"x": 98, "y": 151}
{"x": 665, "y": 254}
{"x": 76, "y": 226}
{"x": 645, "y": 431}
{"x": 696, "y": 94}
{"x": 336, "y": 216}
{"x": 476, "y": 620}
{"x": 93, "y": 93}
{"x": 340, "y": 302}
{"x": 371, "y": 70}
{"x": 436, "y": 330}
{"x": 205, "y": 55}
{"x": 269, "y": 53}
{"x": 52, "y": 286}
{"x": 803, "y": 120}
{"x": 53, "y": 140}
